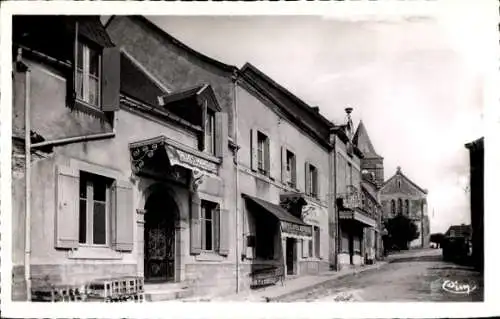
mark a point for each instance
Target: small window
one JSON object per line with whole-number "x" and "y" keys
{"x": 208, "y": 211}
{"x": 312, "y": 188}
{"x": 210, "y": 132}
{"x": 94, "y": 209}
{"x": 393, "y": 207}
{"x": 262, "y": 153}
{"x": 400, "y": 206}
{"x": 88, "y": 75}
{"x": 407, "y": 207}
{"x": 290, "y": 169}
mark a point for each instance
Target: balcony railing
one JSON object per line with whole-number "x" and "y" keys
{"x": 352, "y": 198}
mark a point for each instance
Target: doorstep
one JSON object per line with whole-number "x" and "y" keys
{"x": 167, "y": 291}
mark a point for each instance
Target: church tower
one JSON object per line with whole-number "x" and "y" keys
{"x": 372, "y": 164}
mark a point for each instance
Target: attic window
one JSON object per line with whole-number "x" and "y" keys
{"x": 399, "y": 183}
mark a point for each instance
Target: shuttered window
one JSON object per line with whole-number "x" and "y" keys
{"x": 88, "y": 74}
{"x": 207, "y": 223}
{"x": 95, "y": 79}
{"x": 289, "y": 168}
{"x": 93, "y": 210}
{"x": 263, "y": 159}
{"x": 311, "y": 180}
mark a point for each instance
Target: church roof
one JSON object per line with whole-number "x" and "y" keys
{"x": 399, "y": 173}
{"x": 362, "y": 141}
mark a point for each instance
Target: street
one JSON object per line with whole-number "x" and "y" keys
{"x": 410, "y": 276}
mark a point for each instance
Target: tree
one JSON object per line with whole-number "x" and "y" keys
{"x": 401, "y": 230}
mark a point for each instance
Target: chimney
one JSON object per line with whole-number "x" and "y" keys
{"x": 315, "y": 109}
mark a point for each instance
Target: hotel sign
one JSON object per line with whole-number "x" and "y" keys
{"x": 296, "y": 229}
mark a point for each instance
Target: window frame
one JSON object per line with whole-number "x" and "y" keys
{"x": 210, "y": 119}
{"x": 85, "y": 73}
{"x": 203, "y": 222}
{"x": 313, "y": 188}
{"x": 262, "y": 152}
{"x": 90, "y": 179}
{"x": 291, "y": 177}
{"x": 317, "y": 241}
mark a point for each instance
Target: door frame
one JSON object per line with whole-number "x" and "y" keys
{"x": 160, "y": 189}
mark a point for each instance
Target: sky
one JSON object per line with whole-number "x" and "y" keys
{"x": 415, "y": 81}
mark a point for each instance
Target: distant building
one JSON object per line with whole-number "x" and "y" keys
{"x": 400, "y": 195}
{"x": 476, "y": 155}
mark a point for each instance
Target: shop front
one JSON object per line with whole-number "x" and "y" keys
{"x": 273, "y": 241}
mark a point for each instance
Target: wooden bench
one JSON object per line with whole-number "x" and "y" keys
{"x": 267, "y": 276}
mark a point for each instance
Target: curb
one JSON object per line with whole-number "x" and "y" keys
{"x": 326, "y": 281}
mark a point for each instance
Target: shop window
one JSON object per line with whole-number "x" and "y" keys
{"x": 310, "y": 248}
{"x": 94, "y": 212}
{"x": 263, "y": 153}
{"x": 356, "y": 245}
{"x": 88, "y": 75}
{"x": 210, "y": 132}
{"x": 290, "y": 169}
{"x": 207, "y": 221}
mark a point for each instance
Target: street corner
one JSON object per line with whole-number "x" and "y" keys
{"x": 457, "y": 288}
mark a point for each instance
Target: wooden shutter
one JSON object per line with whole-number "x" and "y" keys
{"x": 307, "y": 178}
{"x": 67, "y": 207}
{"x": 223, "y": 230}
{"x": 195, "y": 229}
{"x": 122, "y": 217}
{"x": 221, "y": 132}
{"x": 110, "y": 79}
{"x": 267, "y": 156}
{"x": 253, "y": 150}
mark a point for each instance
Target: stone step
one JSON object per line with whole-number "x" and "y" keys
{"x": 167, "y": 291}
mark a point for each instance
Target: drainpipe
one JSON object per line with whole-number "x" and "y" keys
{"x": 335, "y": 209}
{"x": 237, "y": 191}
{"x": 27, "y": 153}
{"x": 83, "y": 138}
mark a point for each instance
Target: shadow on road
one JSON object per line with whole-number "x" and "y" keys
{"x": 435, "y": 258}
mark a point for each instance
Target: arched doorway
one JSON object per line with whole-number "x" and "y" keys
{"x": 159, "y": 236}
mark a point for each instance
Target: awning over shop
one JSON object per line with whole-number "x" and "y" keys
{"x": 357, "y": 216}
{"x": 290, "y": 225}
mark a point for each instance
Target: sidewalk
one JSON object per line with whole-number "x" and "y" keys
{"x": 291, "y": 286}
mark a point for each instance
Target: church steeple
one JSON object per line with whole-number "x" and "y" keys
{"x": 372, "y": 163}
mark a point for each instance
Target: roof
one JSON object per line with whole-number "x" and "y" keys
{"x": 135, "y": 83}
{"x": 459, "y": 231}
{"x": 276, "y": 210}
{"x": 92, "y": 28}
{"x": 169, "y": 38}
{"x": 398, "y": 172}
{"x": 362, "y": 141}
{"x": 313, "y": 111}
{"x": 477, "y": 144}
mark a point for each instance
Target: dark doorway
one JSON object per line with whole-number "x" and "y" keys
{"x": 290, "y": 256}
{"x": 159, "y": 237}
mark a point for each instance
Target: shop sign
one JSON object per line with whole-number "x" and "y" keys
{"x": 296, "y": 229}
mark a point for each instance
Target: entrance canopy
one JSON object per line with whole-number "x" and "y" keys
{"x": 162, "y": 151}
{"x": 290, "y": 225}
{"x": 357, "y": 216}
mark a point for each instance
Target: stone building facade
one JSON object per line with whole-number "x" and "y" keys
{"x": 400, "y": 195}
{"x": 148, "y": 158}
{"x": 283, "y": 166}
{"x": 121, "y": 183}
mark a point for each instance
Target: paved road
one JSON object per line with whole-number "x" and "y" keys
{"x": 412, "y": 276}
